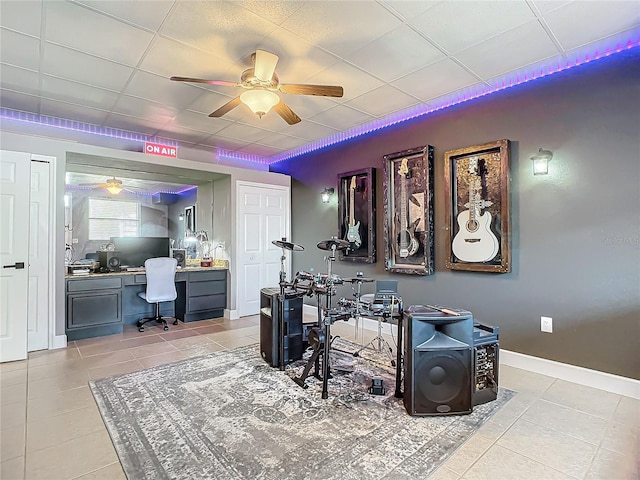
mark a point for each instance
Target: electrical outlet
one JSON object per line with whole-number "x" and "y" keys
{"x": 546, "y": 324}
{"x": 75, "y": 240}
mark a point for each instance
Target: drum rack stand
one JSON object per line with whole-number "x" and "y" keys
{"x": 381, "y": 341}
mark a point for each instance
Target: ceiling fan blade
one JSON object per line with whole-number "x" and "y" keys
{"x": 202, "y": 80}
{"x": 319, "y": 90}
{"x": 265, "y": 65}
{"x": 286, "y": 113}
{"x": 226, "y": 108}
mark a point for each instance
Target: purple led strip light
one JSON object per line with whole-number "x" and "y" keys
{"x": 507, "y": 81}
{"x": 9, "y": 114}
{"x": 456, "y": 98}
{"x": 178, "y": 192}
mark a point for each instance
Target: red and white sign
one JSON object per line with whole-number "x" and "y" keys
{"x": 159, "y": 149}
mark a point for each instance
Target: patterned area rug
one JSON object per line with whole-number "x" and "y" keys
{"x": 229, "y": 415}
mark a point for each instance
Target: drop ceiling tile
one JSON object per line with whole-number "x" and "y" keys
{"x": 77, "y": 93}
{"x": 78, "y": 113}
{"x": 208, "y": 102}
{"x": 509, "y": 51}
{"x": 19, "y": 101}
{"x": 545, "y": 6}
{"x": 161, "y": 89}
{"x": 145, "y": 14}
{"x": 275, "y": 11}
{"x": 19, "y": 50}
{"x": 579, "y": 23}
{"x": 342, "y": 117}
{"x": 262, "y": 150}
{"x": 310, "y": 130}
{"x": 183, "y": 134}
{"x": 299, "y": 59}
{"x": 140, "y": 108}
{"x": 306, "y": 106}
{"x": 435, "y": 80}
{"x": 19, "y": 79}
{"x": 197, "y": 121}
{"x": 226, "y": 143}
{"x": 458, "y": 25}
{"x": 395, "y": 54}
{"x": 244, "y": 132}
{"x": 354, "y": 81}
{"x": 80, "y": 67}
{"x": 341, "y": 27}
{"x": 282, "y": 142}
{"x": 223, "y": 28}
{"x": 133, "y": 124}
{"x": 22, "y": 16}
{"x": 382, "y": 101}
{"x": 77, "y": 27}
{"x": 410, "y": 8}
{"x": 169, "y": 58}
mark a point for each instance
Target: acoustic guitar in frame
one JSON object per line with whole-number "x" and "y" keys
{"x": 353, "y": 227}
{"x": 407, "y": 242}
{"x": 475, "y": 242}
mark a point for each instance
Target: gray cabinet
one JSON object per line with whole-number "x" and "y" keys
{"x": 206, "y": 295}
{"x": 101, "y": 304}
{"x": 94, "y": 304}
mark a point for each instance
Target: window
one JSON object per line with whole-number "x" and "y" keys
{"x": 113, "y": 218}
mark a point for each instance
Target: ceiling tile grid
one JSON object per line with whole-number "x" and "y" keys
{"x": 108, "y": 62}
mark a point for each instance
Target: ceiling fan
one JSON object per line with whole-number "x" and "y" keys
{"x": 112, "y": 185}
{"x": 261, "y": 84}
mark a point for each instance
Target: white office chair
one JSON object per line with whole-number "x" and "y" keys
{"x": 161, "y": 287}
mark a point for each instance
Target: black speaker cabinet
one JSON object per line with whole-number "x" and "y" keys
{"x": 438, "y": 375}
{"x": 109, "y": 261}
{"x": 281, "y": 332}
{"x": 486, "y": 361}
{"x": 180, "y": 254}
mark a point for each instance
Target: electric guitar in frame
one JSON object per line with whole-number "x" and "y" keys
{"x": 407, "y": 243}
{"x": 475, "y": 242}
{"x": 353, "y": 227}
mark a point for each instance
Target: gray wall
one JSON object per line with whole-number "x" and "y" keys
{"x": 575, "y": 237}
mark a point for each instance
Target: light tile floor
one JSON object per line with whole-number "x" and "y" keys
{"x": 51, "y": 428}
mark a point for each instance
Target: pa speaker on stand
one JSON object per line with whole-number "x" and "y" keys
{"x": 438, "y": 363}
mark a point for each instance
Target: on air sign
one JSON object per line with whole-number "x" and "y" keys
{"x": 159, "y": 149}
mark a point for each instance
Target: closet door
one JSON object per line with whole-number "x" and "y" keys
{"x": 14, "y": 254}
{"x": 263, "y": 216}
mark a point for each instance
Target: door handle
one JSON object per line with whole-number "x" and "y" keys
{"x": 17, "y": 265}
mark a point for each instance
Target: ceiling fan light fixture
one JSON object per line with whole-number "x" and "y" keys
{"x": 259, "y": 101}
{"x": 114, "y": 189}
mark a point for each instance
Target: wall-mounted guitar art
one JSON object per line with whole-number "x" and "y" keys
{"x": 408, "y": 204}
{"x": 478, "y": 217}
{"x": 357, "y": 217}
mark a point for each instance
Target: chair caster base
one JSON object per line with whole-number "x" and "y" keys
{"x": 166, "y": 327}
{"x": 141, "y": 329}
{"x": 176, "y": 322}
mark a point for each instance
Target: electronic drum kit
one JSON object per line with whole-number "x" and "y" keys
{"x": 321, "y": 284}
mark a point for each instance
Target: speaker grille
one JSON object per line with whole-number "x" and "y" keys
{"x": 442, "y": 378}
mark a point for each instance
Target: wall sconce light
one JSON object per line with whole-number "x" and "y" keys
{"x": 326, "y": 193}
{"x": 541, "y": 162}
{"x": 181, "y": 217}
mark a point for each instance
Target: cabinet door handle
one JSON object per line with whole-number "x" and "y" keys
{"x": 17, "y": 265}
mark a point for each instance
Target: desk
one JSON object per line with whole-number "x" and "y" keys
{"x": 101, "y": 303}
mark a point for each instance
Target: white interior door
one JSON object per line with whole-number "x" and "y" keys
{"x": 39, "y": 264}
{"x": 263, "y": 214}
{"x": 14, "y": 251}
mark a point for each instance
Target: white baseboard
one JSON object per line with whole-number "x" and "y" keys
{"x": 580, "y": 375}
{"x": 628, "y": 387}
{"x": 231, "y": 314}
{"x": 58, "y": 341}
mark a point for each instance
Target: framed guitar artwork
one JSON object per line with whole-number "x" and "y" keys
{"x": 477, "y": 210}
{"x": 357, "y": 217}
{"x": 408, "y": 204}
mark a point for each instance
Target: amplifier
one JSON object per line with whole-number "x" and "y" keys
{"x": 486, "y": 350}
